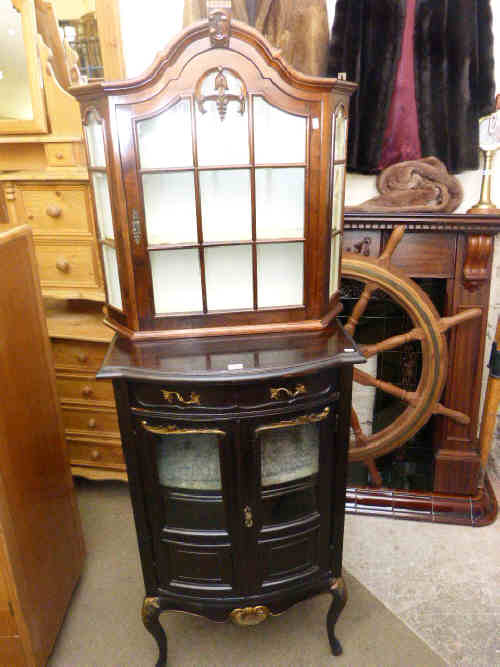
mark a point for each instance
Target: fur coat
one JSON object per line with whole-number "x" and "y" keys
{"x": 454, "y": 78}
{"x": 298, "y": 27}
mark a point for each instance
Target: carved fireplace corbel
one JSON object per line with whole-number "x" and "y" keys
{"x": 478, "y": 253}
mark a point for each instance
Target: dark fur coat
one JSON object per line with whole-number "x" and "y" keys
{"x": 454, "y": 77}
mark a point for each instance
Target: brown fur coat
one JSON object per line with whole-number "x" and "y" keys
{"x": 298, "y": 27}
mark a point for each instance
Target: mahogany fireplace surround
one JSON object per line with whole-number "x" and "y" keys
{"x": 458, "y": 249}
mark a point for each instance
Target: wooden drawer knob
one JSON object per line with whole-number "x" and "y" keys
{"x": 82, "y": 357}
{"x": 95, "y": 455}
{"x": 62, "y": 265}
{"x": 87, "y": 391}
{"x": 92, "y": 423}
{"x": 54, "y": 211}
{"x": 59, "y": 156}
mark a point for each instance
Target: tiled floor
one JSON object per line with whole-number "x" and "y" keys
{"x": 443, "y": 581}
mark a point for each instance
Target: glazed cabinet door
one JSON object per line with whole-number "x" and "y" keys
{"x": 290, "y": 511}
{"x": 188, "y": 469}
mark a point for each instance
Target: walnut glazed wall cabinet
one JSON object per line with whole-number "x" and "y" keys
{"x": 218, "y": 181}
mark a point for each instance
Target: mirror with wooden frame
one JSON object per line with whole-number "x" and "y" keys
{"x": 22, "y": 106}
{"x": 218, "y": 182}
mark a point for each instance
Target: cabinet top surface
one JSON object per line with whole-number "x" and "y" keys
{"x": 230, "y": 358}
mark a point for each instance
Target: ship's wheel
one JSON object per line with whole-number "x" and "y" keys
{"x": 428, "y": 329}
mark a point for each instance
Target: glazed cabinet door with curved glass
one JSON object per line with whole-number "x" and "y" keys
{"x": 294, "y": 461}
{"x": 189, "y": 473}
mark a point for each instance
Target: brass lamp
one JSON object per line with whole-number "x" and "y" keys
{"x": 489, "y": 143}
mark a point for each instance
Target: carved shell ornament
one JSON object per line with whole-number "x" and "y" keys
{"x": 221, "y": 97}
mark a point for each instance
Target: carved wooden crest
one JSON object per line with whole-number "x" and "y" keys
{"x": 219, "y": 28}
{"x": 221, "y": 97}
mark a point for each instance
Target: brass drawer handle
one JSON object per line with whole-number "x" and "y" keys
{"x": 63, "y": 265}
{"x": 275, "y": 392}
{"x": 296, "y": 421}
{"x": 248, "y": 516}
{"x": 54, "y": 211}
{"x": 172, "y": 396}
{"x": 87, "y": 391}
{"x": 172, "y": 429}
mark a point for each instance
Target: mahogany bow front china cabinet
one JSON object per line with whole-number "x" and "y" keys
{"x": 218, "y": 181}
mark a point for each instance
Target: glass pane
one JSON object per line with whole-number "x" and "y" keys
{"x": 15, "y": 90}
{"x": 338, "y": 197}
{"x": 170, "y": 207}
{"x": 103, "y": 205}
{"x": 112, "y": 277}
{"x": 280, "y": 272}
{"x": 288, "y": 505}
{"x": 340, "y": 133}
{"x": 280, "y": 137}
{"x": 176, "y": 280}
{"x": 229, "y": 277}
{"x": 226, "y": 205}
{"x": 335, "y": 263}
{"x": 222, "y": 142}
{"x": 166, "y": 140}
{"x": 289, "y": 453}
{"x": 95, "y": 140}
{"x": 279, "y": 203}
{"x": 189, "y": 461}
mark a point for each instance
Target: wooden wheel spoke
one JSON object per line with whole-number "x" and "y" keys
{"x": 392, "y": 342}
{"x": 391, "y": 245}
{"x": 410, "y": 397}
{"x": 455, "y": 415}
{"x": 446, "y": 323}
{"x": 360, "y": 307}
{"x": 360, "y": 438}
{"x": 376, "y": 477}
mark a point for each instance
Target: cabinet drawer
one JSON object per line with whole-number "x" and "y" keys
{"x": 78, "y": 355}
{"x": 88, "y": 453}
{"x": 90, "y": 419}
{"x": 56, "y": 211}
{"x": 286, "y": 390}
{"x": 85, "y": 389}
{"x": 184, "y": 396}
{"x": 68, "y": 264}
{"x": 62, "y": 154}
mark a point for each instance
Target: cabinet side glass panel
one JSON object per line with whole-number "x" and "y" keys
{"x": 337, "y": 215}
{"x": 170, "y": 207}
{"x": 222, "y": 141}
{"x": 103, "y": 205}
{"x": 176, "y": 278}
{"x": 166, "y": 139}
{"x": 340, "y": 133}
{"x": 226, "y": 205}
{"x": 189, "y": 474}
{"x": 280, "y": 274}
{"x": 229, "y": 277}
{"x": 280, "y": 197}
{"x": 280, "y": 137}
{"x": 95, "y": 140}
{"x": 111, "y": 276}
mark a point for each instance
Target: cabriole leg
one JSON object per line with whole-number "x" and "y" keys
{"x": 151, "y": 610}
{"x": 339, "y": 595}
